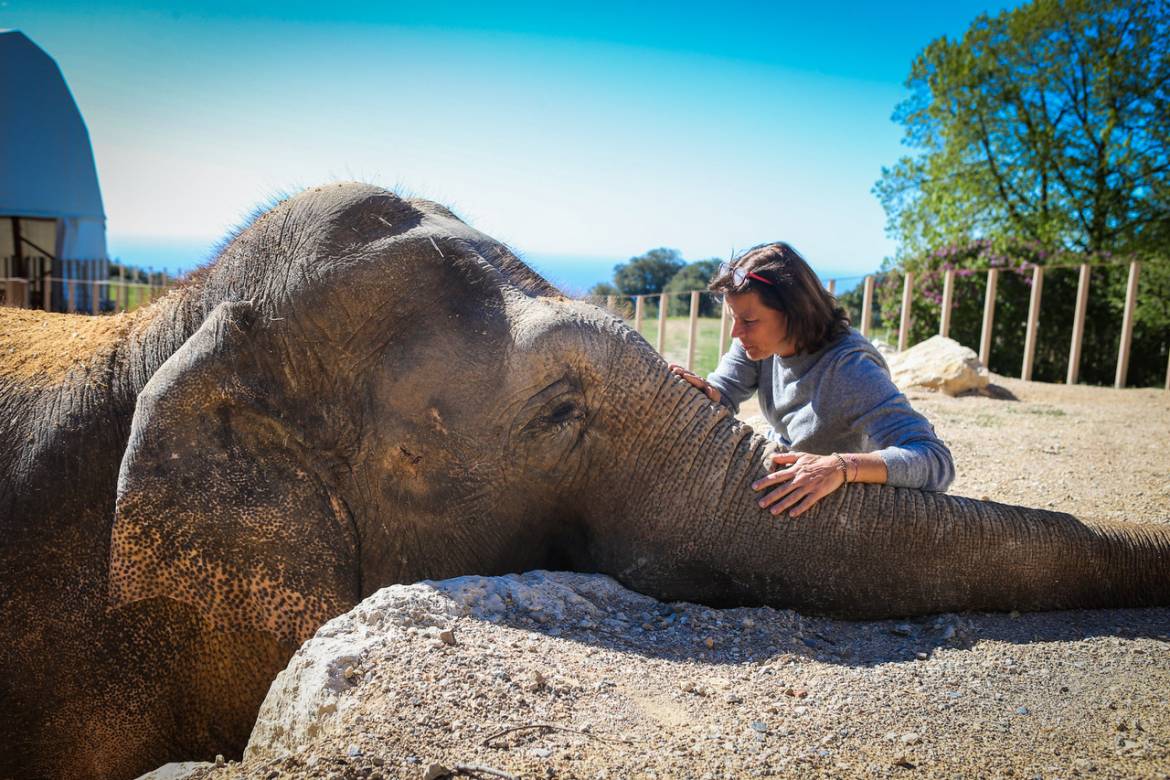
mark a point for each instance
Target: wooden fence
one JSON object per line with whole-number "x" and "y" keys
{"x": 1076, "y": 335}
{"x": 77, "y": 286}
{"x": 88, "y": 287}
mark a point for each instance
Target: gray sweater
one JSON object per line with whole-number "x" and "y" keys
{"x": 839, "y": 399}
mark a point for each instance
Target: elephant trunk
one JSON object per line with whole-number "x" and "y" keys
{"x": 691, "y": 530}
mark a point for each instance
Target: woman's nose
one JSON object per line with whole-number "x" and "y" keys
{"x": 736, "y": 330}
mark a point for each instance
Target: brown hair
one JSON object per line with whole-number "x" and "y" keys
{"x": 814, "y": 318}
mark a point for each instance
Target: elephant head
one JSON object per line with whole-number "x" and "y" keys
{"x": 377, "y": 393}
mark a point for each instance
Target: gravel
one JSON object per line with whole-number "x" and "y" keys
{"x": 560, "y": 675}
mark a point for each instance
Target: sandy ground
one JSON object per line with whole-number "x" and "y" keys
{"x": 641, "y": 689}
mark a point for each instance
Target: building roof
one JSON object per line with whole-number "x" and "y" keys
{"x": 46, "y": 161}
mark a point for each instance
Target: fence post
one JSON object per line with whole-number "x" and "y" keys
{"x": 724, "y": 327}
{"x": 611, "y": 302}
{"x": 904, "y": 326}
{"x": 663, "y": 305}
{"x": 866, "y": 305}
{"x": 832, "y": 287}
{"x": 1078, "y": 332}
{"x": 71, "y": 287}
{"x": 944, "y": 325}
{"x": 1127, "y": 325}
{"x": 693, "y": 335}
{"x": 47, "y": 283}
{"x": 988, "y": 316}
{"x": 639, "y": 313}
{"x": 94, "y": 286}
{"x": 1033, "y": 323}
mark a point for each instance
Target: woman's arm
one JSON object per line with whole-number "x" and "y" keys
{"x": 802, "y": 479}
{"x": 909, "y": 454}
{"x": 906, "y": 442}
{"x": 731, "y": 383}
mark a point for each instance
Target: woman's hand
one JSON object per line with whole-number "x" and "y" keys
{"x": 803, "y": 480}
{"x": 696, "y": 380}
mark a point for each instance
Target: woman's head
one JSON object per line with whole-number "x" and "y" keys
{"x": 774, "y": 278}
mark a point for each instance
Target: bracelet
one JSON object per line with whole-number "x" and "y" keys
{"x": 844, "y": 465}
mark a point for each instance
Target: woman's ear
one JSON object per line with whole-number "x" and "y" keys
{"x": 219, "y": 505}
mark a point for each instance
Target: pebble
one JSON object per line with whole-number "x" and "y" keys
{"x": 911, "y": 738}
{"x": 759, "y": 725}
{"x": 435, "y": 771}
{"x": 447, "y": 636}
{"x": 1022, "y": 710}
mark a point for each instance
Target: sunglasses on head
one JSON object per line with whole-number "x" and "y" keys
{"x": 741, "y": 275}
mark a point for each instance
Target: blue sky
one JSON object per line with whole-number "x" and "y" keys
{"x": 580, "y": 135}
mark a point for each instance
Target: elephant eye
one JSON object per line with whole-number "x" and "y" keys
{"x": 565, "y": 412}
{"x": 558, "y": 407}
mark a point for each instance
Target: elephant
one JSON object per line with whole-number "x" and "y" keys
{"x": 360, "y": 390}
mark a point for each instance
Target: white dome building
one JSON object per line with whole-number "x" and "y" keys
{"x": 52, "y": 224}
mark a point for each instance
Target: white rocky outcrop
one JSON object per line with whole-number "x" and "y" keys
{"x": 305, "y": 699}
{"x": 939, "y": 363}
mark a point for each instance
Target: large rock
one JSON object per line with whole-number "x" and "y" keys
{"x": 310, "y": 699}
{"x": 939, "y": 363}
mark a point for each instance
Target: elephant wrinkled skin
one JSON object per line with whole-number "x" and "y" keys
{"x": 362, "y": 390}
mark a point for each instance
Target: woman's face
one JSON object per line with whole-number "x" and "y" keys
{"x": 762, "y": 330}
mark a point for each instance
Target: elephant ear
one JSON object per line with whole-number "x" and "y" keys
{"x": 218, "y": 504}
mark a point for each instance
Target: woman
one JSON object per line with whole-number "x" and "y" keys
{"x": 825, "y": 390}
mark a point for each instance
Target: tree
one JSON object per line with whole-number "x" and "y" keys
{"x": 1041, "y": 138}
{"x": 647, "y": 274}
{"x": 1047, "y": 123}
{"x": 603, "y": 290}
{"x": 693, "y": 276}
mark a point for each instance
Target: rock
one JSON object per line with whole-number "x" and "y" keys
{"x": 179, "y": 770}
{"x": 435, "y": 771}
{"x": 911, "y": 738}
{"x": 939, "y": 363}
{"x": 447, "y": 636}
{"x": 536, "y": 681}
{"x": 902, "y": 629}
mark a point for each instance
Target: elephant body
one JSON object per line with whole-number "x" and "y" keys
{"x": 362, "y": 390}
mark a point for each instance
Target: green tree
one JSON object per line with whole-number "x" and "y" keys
{"x": 603, "y": 289}
{"x": 647, "y": 274}
{"x": 694, "y": 276}
{"x": 1048, "y": 122}
{"x": 1040, "y": 138}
